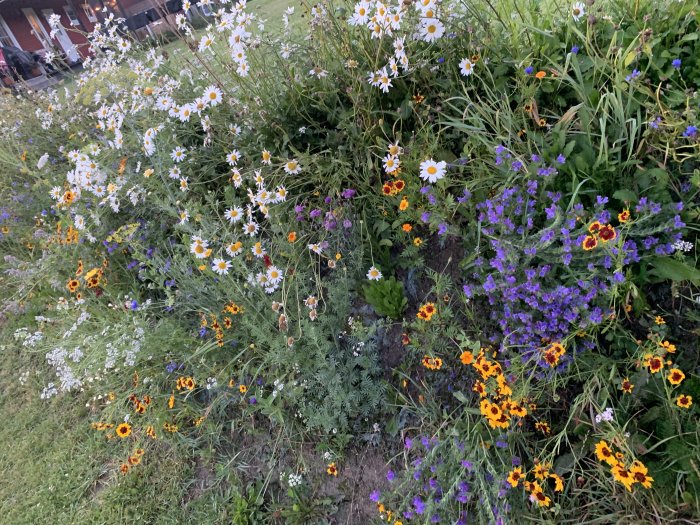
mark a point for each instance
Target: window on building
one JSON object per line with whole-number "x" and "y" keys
{"x": 72, "y": 16}
{"x": 89, "y": 12}
{"x": 6, "y": 37}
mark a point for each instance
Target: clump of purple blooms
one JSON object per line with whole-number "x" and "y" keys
{"x": 445, "y": 484}
{"x": 538, "y": 281}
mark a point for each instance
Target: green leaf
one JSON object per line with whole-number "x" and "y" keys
{"x": 625, "y": 196}
{"x": 674, "y": 270}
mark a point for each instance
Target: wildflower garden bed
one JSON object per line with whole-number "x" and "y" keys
{"x": 416, "y": 262}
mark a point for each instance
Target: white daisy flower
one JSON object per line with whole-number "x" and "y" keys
{"x": 466, "y": 67}
{"x": 432, "y": 171}
{"x": 178, "y": 154}
{"x": 205, "y": 42}
{"x": 233, "y": 157}
{"x": 311, "y": 301}
{"x": 578, "y": 10}
{"x": 258, "y": 250}
{"x": 292, "y": 167}
{"x": 234, "y": 214}
{"x": 373, "y": 274}
{"x": 280, "y": 194}
{"x": 250, "y": 228}
{"x": 431, "y": 29}
{"x": 391, "y": 163}
{"x": 185, "y": 112}
{"x": 234, "y": 249}
{"x": 213, "y": 95}
{"x": 274, "y": 275}
{"x": 200, "y": 249}
{"x": 318, "y": 72}
{"x": 220, "y": 266}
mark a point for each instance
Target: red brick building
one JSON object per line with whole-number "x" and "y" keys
{"x": 24, "y": 23}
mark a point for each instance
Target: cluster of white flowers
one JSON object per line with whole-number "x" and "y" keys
{"x": 682, "y": 246}
{"x": 49, "y": 391}
{"x": 607, "y": 415}
{"x": 294, "y": 480}
{"x": 84, "y": 316}
{"x": 125, "y": 347}
{"x": 33, "y": 339}
{"x": 357, "y": 348}
{"x": 278, "y": 386}
{"x": 58, "y": 358}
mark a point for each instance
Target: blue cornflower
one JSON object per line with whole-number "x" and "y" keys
{"x": 134, "y": 304}
{"x": 418, "y": 505}
{"x": 690, "y": 131}
{"x": 574, "y": 50}
{"x": 635, "y": 73}
{"x": 529, "y": 70}
{"x": 676, "y": 63}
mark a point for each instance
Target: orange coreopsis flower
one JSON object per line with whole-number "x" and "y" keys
{"x": 670, "y": 347}
{"x": 292, "y": 236}
{"x": 541, "y": 471}
{"x": 589, "y": 242}
{"x": 675, "y": 376}
{"x": 514, "y": 476}
{"x": 607, "y": 233}
{"x": 653, "y": 363}
{"x": 540, "y": 75}
{"x": 623, "y": 475}
{"x": 624, "y": 216}
{"x": 594, "y": 227}
{"x": 403, "y": 205}
{"x": 605, "y": 453}
{"x": 640, "y": 474}
{"x": 406, "y": 227}
{"x": 538, "y": 496}
{"x": 558, "y": 482}
{"x": 684, "y": 401}
{"x": 626, "y": 386}
{"x": 123, "y": 430}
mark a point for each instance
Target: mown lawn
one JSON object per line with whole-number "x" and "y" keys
{"x": 57, "y": 470}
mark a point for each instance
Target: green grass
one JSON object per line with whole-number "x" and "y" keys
{"x": 56, "y": 469}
